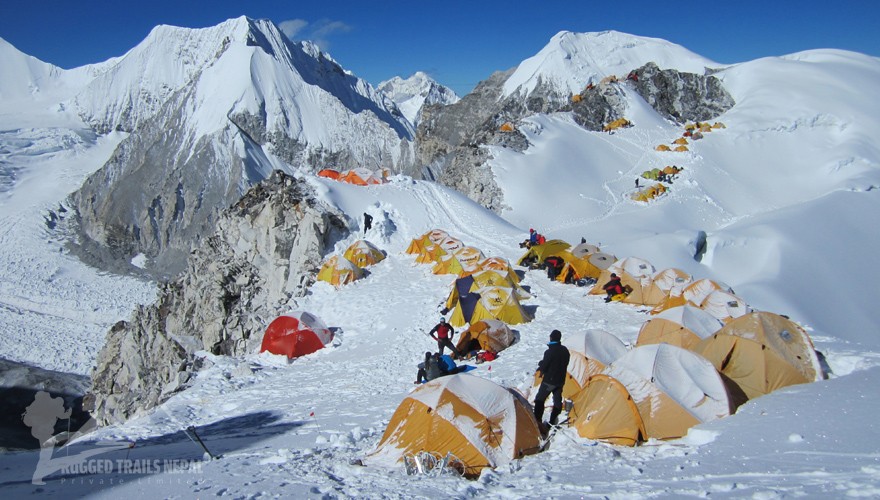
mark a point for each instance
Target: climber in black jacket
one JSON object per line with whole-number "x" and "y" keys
{"x": 553, "y": 368}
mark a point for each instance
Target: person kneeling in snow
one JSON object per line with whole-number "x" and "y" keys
{"x": 429, "y": 369}
{"x": 613, "y": 287}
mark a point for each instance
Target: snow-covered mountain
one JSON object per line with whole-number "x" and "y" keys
{"x": 570, "y": 61}
{"x": 783, "y": 201}
{"x": 237, "y": 101}
{"x": 416, "y": 92}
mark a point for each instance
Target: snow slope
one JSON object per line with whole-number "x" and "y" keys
{"x": 571, "y": 60}
{"x": 786, "y": 194}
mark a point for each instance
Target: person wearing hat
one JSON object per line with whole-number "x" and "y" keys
{"x": 533, "y": 237}
{"x": 613, "y": 287}
{"x": 444, "y": 333}
{"x": 552, "y": 368}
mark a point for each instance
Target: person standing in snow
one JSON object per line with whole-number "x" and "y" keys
{"x": 552, "y": 368}
{"x": 368, "y": 222}
{"x": 444, "y": 333}
{"x": 533, "y": 237}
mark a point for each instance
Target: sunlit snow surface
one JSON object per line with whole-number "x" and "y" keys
{"x": 786, "y": 194}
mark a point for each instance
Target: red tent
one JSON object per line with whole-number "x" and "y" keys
{"x": 295, "y": 334}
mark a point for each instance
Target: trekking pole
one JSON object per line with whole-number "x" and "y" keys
{"x": 193, "y": 430}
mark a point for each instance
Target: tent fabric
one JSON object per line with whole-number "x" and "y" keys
{"x": 681, "y": 149}
{"x": 583, "y": 250}
{"x": 464, "y": 309}
{"x": 633, "y": 272}
{"x": 605, "y": 411}
{"x": 693, "y": 294}
{"x": 659, "y": 288}
{"x": 662, "y": 147}
{"x": 762, "y": 352}
{"x": 590, "y": 266}
{"x": 507, "y": 127}
{"x": 674, "y": 389}
{"x": 451, "y": 245}
{"x": 497, "y": 264}
{"x": 491, "y": 334}
{"x": 339, "y": 271}
{"x": 591, "y": 352}
{"x": 478, "y": 421}
{"x": 482, "y": 279}
{"x": 431, "y": 254}
{"x": 295, "y": 334}
{"x": 724, "y": 306}
{"x": 672, "y": 281}
{"x": 361, "y": 176}
{"x": 491, "y": 302}
{"x": 329, "y": 173}
{"x": 363, "y": 254}
{"x": 541, "y": 252}
{"x": 432, "y": 237}
{"x": 616, "y": 124}
{"x": 680, "y": 140}
{"x": 461, "y": 261}
{"x": 683, "y": 326}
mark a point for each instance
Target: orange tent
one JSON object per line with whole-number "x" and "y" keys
{"x": 329, "y": 173}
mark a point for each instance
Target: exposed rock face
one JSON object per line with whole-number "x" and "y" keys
{"x": 681, "y": 96}
{"x": 150, "y": 199}
{"x": 598, "y": 106}
{"x": 193, "y": 151}
{"x": 266, "y": 249}
{"x": 450, "y": 139}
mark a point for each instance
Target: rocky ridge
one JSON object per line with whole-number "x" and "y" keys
{"x": 265, "y": 250}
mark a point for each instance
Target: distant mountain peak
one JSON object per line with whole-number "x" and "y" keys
{"x": 413, "y": 93}
{"x": 571, "y": 60}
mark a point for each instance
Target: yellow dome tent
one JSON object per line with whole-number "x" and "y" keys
{"x": 605, "y": 411}
{"x": 339, "y": 271}
{"x": 761, "y": 352}
{"x": 490, "y": 334}
{"x": 363, "y": 254}
{"x": 683, "y": 326}
{"x": 673, "y": 389}
{"x": 616, "y": 124}
{"x": 478, "y": 422}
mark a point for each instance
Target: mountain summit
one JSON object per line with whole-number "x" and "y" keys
{"x": 416, "y": 92}
{"x": 236, "y": 102}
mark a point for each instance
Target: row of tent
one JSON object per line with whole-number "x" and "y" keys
{"x": 486, "y": 288}
{"x": 672, "y": 379}
{"x": 647, "y": 286}
{"x": 583, "y": 261}
{"x": 668, "y": 171}
{"x": 700, "y": 356}
{"x": 358, "y": 176}
{"x": 649, "y": 192}
{"x": 340, "y": 270}
{"x": 656, "y": 390}
{"x": 694, "y": 131}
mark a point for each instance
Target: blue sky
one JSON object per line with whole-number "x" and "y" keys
{"x": 457, "y": 42}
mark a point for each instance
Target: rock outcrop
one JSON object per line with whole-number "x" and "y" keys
{"x": 681, "y": 96}
{"x": 265, "y": 250}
